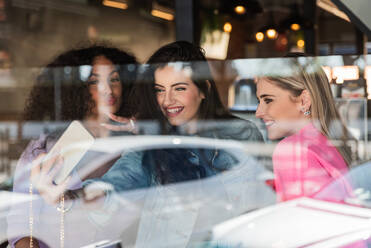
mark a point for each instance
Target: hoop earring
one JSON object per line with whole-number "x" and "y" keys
{"x": 306, "y": 113}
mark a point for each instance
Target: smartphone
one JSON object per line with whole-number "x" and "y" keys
{"x": 71, "y": 146}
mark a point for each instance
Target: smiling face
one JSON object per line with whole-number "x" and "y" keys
{"x": 177, "y": 95}
{"x": 281, "y": 112}
{"x": 105, "y": 86}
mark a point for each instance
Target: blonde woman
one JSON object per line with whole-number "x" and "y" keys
{"x": 313, "y": 152}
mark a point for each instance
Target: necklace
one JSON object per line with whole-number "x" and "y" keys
{"x": 61, "y": 230}
{"x": 60, "y": 208}
{"x": 30, "y": 221}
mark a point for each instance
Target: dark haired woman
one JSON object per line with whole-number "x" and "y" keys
{"x": 79, "y": 84}
{"x": 180, "y": 94}
{"x": 80, "y": 72}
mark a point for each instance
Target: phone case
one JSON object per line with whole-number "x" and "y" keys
{"x": 71, "y": 146}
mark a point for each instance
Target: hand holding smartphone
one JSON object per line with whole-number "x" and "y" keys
{"x": 71, "y": 147}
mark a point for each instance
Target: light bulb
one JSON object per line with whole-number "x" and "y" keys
{"x": 271, "y": 33}
{"x": 227, "y": 27}
{"x": 240, "y": 9}
{"x": 300, "y": 43}
{"x": 295, "y": 27}
{"x": 259, "y": 36}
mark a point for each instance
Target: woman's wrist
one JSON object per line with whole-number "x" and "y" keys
{"x": 69, "y": 198}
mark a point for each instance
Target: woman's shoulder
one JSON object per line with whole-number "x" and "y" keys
{"x": 309, "y": 136}
{"x": 130, "y": 160}
{"x": 126, "y": 173}
{"x": 37, "y": 146}
{"x": 238, "y": 129}
{"x": 34, "y": 148}
{"x": 308, "y": 142}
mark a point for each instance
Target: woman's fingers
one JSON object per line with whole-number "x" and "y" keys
{"x": 49, "y": 163}
{"x": 120, "y": 119}
{"x": 128, "y": 123}
{"x": 57, "y": 166}
{"x": 126, "y": 127}
{"x": 96, "y": 190}
{"x": 93, "y": 195}
{"x": 58, "y": 190}
{"x": 42, "y": 174}
{"x": 36, "y": 167}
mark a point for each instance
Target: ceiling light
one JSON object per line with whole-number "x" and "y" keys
{"x": 300, "y": 43}
{"x": 162, "y": 12}
{"x": 295, "y": 27}
{"x": 162, "y": 15}
{"x": 271, "y": 33}
{"x": 227, "y": 27}
{"x": 269, "y": 29}
{"x": 116, "y": 4}
{"x": 259, "y": 36}
{"x": 240, "y": 9}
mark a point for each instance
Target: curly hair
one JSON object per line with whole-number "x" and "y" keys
{"x": 62, "y": 93}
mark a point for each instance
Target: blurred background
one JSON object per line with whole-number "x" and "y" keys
{"x": 236, "y": 35}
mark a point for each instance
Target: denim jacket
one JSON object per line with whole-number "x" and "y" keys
{"x": 128, "y": 172}
{"x": 191, "y": 219}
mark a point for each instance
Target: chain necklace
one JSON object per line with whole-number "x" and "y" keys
{"x": 30, "y": 221}
{"x": 61, "y": 230}
{"x": 60, "y": 208}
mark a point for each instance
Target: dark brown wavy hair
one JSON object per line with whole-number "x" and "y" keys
{"x": 61, "y": 91}
{"x": 189, "y": 55}
{"x": 173, "y": 165}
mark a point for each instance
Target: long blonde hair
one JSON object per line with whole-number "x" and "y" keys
{"x": 323, "y": 110}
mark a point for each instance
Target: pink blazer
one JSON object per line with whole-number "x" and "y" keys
{"x": 306, "y": 162}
